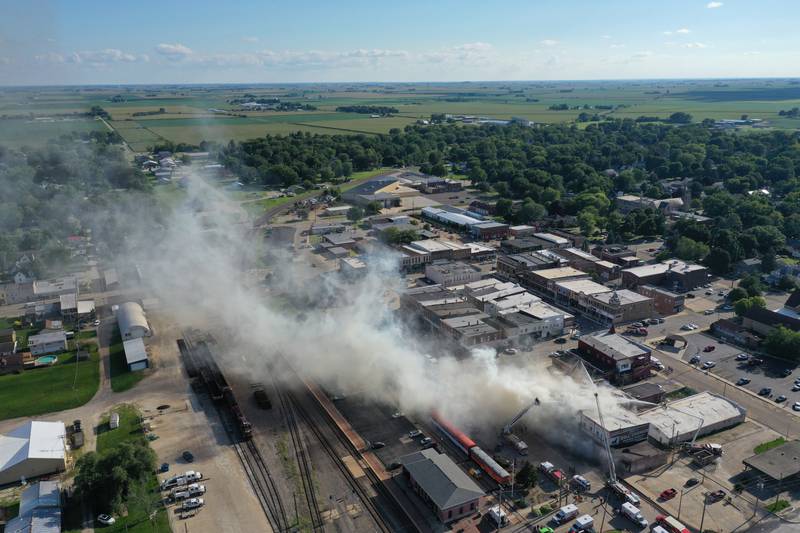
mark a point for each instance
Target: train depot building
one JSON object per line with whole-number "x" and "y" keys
{"x": 441, "y": 484}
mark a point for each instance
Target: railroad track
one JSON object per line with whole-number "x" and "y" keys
{"x": 330, "y": 449}
{"x": 303, "y": 462}
{"x": 264, "y": 487}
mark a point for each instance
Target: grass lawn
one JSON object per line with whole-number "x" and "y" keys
{"x": 122, "y": 379}
{"x": 767, "y": 446}
{"x": 130, "y": 430}
{"x": 65, "y": 385}
{"x": 776, "y": 507}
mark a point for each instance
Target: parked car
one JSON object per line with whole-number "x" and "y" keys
{"x": 786, "y": 372}
{"x": 397, "y": 414}
{"x": 694, "y": 360}
{"x": 164, "y": 467}
{"x": 560, "y": 340}
{"x": 414, "y": 433}
{"x": 743, "y": 381}
{"x": 709, "y": 364}
{"x": 742, "y": 357}
{"x": 426, "y": 441}
{"x": 780, "y": 399}
{"x": 668, "y": 494}
{"x": 796, "y": 387}
{"x": 394, "y": 466}
{"x": 692, "y": 481}
{"x": 716, "y": 496}
{"x": 708, "y": 312}
{"x": 106, "y": 520}
{"x": 510, "y": 351}
{"x": 187, "y": 456}
{"x": 377, "y": 445}
{"x": 192, "y": 503}
{"x": 755, "y": 361}
{"x": 796, "y": 406}
{"x": 766, "y": 391}
{"x": 709, "y": 348}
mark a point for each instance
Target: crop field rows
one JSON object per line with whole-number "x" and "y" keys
{"x": 188, "y": 112}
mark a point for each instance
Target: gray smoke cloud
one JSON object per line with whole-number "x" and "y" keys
{"x": 356, "y": 344}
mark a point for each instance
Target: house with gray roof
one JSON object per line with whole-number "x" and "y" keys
{"x": 441, "y": 484}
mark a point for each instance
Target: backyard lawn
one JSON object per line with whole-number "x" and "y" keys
{"x": 65, "y": 385}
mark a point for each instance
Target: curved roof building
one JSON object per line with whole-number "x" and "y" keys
{"x": 132, "y": 322}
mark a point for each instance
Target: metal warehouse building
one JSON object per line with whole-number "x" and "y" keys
{"x": 132, "y": 321}
{"x": 135, "y": 354}
{"x": 700, "y": 414}
{"x": 32, "y": 449}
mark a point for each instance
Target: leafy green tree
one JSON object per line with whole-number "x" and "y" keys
{"x": 680, "y": 118}
{"x": 530, "y": 211}
{"x": 690, "y": 250}
{"x": 527, "y": 476}
{"x": 752, "y": 284}
{"x": 399, "y": 236}
{"x": 719, "y": 261}
{"x": 373, "y": 208}
{"x": 736, "y": 294}
{"x": 745, "y": 304}
{"x": 783, "y": 342}
{"x": 355, "y": 213}
{"x": 503, "y": 207}
{"x": 768, "y": 261}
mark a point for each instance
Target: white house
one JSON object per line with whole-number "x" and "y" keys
{"x": 47, "y": 343}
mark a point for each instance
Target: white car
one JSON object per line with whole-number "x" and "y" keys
{"x": 193, "y": 503}
{"x": 708, "y": 312}
{"x": 414, "y": 433}
{"x": 96, "y": 323}
{"x": 106, "y": 520}
{"x": 796, "y": 406}
{"x": 709, "y": 364}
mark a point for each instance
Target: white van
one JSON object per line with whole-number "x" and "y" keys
{"x": 568, "y": 512}
{"x": 634, "y": 514}
{"x": 583, "y": 523}
{"x": 658, "y": 529}
{"x": 581, "y": 482}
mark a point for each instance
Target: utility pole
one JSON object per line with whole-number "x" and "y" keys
{"x": 603, "y": 521}
{"x": 680, "y": 502}
{"x": 778, "y": 492}
{"x": 703, "y": 517}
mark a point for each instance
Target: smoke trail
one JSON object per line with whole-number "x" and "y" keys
{"x": 352, "y": 344}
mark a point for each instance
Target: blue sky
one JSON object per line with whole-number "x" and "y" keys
{"x": 77, "y": 42}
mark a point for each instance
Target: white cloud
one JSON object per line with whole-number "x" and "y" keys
{"x": 250, "y": 39}
{"x": 174, "y": 51}
{"x": 309, "y": 59}
{"x": 695, "y": 45}
{"x": 605, "y": 37}
{"x": 50, "y": 57}
{"x": 666, "y": 32}
{"x": 615, "y": 45}
{"x": 683, "y": 31}
{"x": 549, "y": 42}
{"x": 469, "y": 53}
{"x": 714, "y": 5}
{"x": 108, "y": 55}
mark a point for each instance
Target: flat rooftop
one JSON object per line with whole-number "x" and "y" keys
{"x": 778, "y": 463}
{"x": 437, "y": 245}
{"x": 555, "y": 239}
{"x": 625, "y": 297}
{"x": 583, "y": 286}
{"x": 661, "y": 268}
{"x": 560, "y": 273}
{"x": 615, "y": 420}
{"x": 615, "y": 345}
{"x": 684, "y": 413}
{"x": 542, "y": 311}
{"x": 583, "y": 255}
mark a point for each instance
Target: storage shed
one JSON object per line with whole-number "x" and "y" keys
{"x": 135, "y": 354}
{"x": 32, "y": 449}
{"x": 132, "y": 321}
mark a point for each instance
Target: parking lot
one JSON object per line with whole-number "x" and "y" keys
{"x": 770, "y": 374}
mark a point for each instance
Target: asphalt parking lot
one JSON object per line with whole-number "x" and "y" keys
{"x": 375, "y": 423}
{"x": 769, "y": 374}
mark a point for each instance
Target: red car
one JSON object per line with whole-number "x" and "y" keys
{"x": 709, "y": 348}
{"x": 668, "y": 494}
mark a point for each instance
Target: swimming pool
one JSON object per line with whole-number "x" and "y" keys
{"x": 46, "y": 360}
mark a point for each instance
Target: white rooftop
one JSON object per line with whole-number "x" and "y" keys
{"x": 582, "y": 286}
{"x": 134, "y": 351}
{"x": 32, "y": 440}
{"x": 558, "y": 273}
{"x": 663, "y": 267}
{"x": 551, "y": 238}
{"x": 437, "y": 245}
{"x": 583, "y": 255}
{"x": 625, "y": 297}
{"x": 685, "y": 413}
{"x": 615, "y": 420}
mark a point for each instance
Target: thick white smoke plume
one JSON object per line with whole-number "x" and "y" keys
{"x": 356, "y": 345}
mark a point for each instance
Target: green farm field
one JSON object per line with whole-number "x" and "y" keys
{"x": 196, "y": 113}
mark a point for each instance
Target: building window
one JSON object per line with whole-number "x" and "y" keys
{"x": 449, "y": 514}
{"x": 472, "y": 506}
